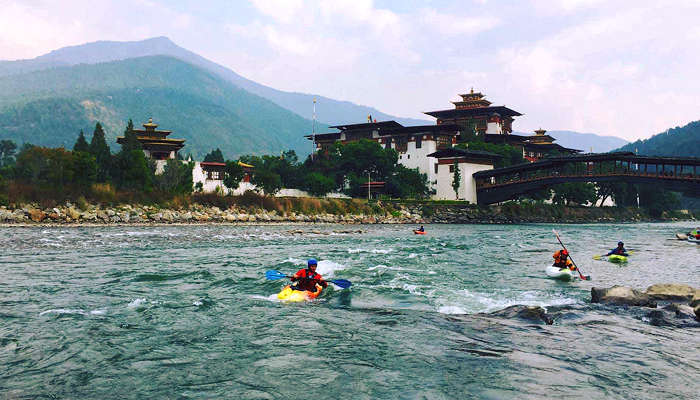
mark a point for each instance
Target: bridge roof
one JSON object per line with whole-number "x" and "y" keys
{"x": 591, "y": 157}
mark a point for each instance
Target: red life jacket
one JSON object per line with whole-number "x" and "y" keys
{"x": 308, "y": 280}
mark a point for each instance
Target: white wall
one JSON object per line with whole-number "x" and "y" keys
{"x": 418, "y": 158}
{"x": 210, "y": 185}
{"x": 467, "y": 187}
{"x": 494, "y": 128}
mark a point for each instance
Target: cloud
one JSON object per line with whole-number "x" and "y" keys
{"x": 451, "y": 25}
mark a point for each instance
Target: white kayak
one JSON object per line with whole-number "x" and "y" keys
{"x": 563, "y": 274}
{"x": 693, "y": 240}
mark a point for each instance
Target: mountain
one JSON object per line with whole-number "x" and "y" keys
{"x": 676, "y": 142}
{"x": 585, "y": 141}
{"x": 330, "y": 111}
{"x": 49, "y": 106}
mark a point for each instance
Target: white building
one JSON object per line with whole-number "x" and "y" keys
{"x": 468, "y": 162}
{"x": 418, "y": 147}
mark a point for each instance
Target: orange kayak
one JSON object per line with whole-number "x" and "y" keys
{"x": 417, "y": 232}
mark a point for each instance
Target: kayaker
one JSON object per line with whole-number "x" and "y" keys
{"x": 619, "y": 250}
{"x": 307, "y": 279}
{"x": 421, "y": 229}
{"x": 561, "y": 260}
{"x": 695, "y": 233}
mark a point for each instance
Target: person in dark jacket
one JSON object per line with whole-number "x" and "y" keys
{"x": 619, "y": 250}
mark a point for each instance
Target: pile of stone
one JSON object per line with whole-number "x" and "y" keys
{"x": 127, "y": 214}
{"x": 680, "y": 304}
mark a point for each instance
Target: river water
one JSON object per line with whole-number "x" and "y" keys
{"x": 184, "y": 312}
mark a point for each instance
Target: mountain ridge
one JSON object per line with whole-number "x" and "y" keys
{"x": 333, "y": 112}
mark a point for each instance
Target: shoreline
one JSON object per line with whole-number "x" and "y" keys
{"x": 68, "y": 215}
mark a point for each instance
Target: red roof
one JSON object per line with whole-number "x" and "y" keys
{"x": 212, "y": 164}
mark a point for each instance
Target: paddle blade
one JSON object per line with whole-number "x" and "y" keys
{"x": 274, "y": 275}
{"x": 596, "y": 257}
{"x": 343, "y": 283}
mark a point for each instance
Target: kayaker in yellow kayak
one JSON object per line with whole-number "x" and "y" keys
{"x": 307, "y": 279}
{"x": 619, "y": 250}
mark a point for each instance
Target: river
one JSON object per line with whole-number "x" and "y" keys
{"x": 185, "y": 312}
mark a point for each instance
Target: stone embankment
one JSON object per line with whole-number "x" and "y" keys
{"x": 127, "y": 214}
{"x": 389, "y": 213}
{"x": 680, "y": 304}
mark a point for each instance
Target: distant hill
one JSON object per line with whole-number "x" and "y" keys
{"x": 585, "y": 141}
{"x": 676, "y": 142}
{"x": 49, "y": 107}
{"x": 330, "y": 111}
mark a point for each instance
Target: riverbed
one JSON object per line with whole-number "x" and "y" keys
{"x": 186, "y": 312}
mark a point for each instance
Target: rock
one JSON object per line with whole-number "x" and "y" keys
{"x": 676, "y": 315}
{"x": 621, "y": 296}
{"x": 697, "y": 312}
{"x": 73, "y": 213}
{"x": 695, "y": 301}
{"x": 54, "y": 216}
{"x": 670, "y": 291}
{"x": 36, "y": 215}
{"x": 530, "y": 313}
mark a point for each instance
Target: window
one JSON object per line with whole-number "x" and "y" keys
{"x": 387, "y": 145}
{"x": 408, "y": 156}
{"x": 401, "y": 144}
{"x": 419, "y": 141}
{"x": 443, "y": 142}
{"x": 436, "y": 168}
{"x": 214, "y": 175}
{"x": 452, "y": 168}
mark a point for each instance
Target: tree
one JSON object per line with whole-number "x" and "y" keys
{"x": 131, "y": 166}
{"x": 574, "y": 193}
{"x": 7, "y": 152}
{"x": 176, "y": 177}
{"x": 233, "y": 174}
{"x": 456, "y": 178}
{"x": 408, "y": 183}
{"x": 85, "y": 167}
{"x": 267, "y": 181}
{"x": 318, "y": 184}
{"x": 214, "y": 156}
{"x": 103, "y": 156}
{"x": 81, "y": 144}
{"x": 44, "y": 166}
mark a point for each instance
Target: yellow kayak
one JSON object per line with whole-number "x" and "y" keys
{"x": 289, "y": 294}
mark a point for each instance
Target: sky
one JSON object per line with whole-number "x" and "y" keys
{"x": 623, "y": 68}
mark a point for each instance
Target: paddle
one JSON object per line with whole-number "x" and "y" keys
{"x": 274, "y": 275}
{"x": 584, "y": 277}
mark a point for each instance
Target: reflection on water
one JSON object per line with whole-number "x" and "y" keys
{"x": 185, "y": 312}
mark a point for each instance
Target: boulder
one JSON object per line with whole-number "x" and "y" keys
{"x": 675, "y": 315}
{"x": 36, "y": 215}
{"x": 530, "y": 313}
{"x": 73, "y": 213}
{"x": 671, "y": 291}
{"x": 695, "y": 301}
{"x": 621, "y": 296}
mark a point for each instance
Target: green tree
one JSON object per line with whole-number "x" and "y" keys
{"x": 85, "y": 167}
{"x": 103, "y": 156}
{"x": 267, "y": 181}
{"x": 233, "y": 174}
{"x": 176, "y": 177}
{"x": 214, "y": 156}
{"x": 408, "y": 183}
{"x": 45, "y": 167}
{"x": 7, "y": 153}
{"x": 456, "y": 178}
{"x": 318, "y": 184}
{"x": 81, "y": 144}
{"x": 131, "y": 166}
{"x": 574, "y": 193}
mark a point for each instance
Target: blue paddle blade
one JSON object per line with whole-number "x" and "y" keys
{"x": 273, "y": 275}
{"x": 343, "y": 283}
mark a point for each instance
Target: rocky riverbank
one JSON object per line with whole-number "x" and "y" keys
{"x": 389, "y": 213}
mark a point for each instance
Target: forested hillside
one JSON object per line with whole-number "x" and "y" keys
{"x": 49, "y": 107}
{"x": 676, "y": 142}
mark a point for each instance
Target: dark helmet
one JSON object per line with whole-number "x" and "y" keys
{"x": 312, "y": 261}
{"x": 620, "y": 244}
